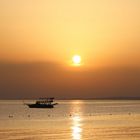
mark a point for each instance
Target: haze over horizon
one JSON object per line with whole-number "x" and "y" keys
{"x": 38, "y": 39}
{"x": 47, "y": 79}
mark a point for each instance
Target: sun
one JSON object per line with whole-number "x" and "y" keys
{"x": 76, "y": 59}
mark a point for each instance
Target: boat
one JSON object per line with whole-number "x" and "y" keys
{"x": 43, "y": 103}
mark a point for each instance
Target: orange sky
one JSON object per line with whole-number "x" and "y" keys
{"x": 103, "y": 32}
{"x": 43, "y": 35}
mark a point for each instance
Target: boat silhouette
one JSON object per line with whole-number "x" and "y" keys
{"x": 43, "y": 103}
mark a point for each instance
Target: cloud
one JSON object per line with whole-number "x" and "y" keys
{"x": 34, "y": 80}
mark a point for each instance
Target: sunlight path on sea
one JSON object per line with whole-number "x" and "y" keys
{"x": 76, "y": 120}
{"x": 76, "y": 128}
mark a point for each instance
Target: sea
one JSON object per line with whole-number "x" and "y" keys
{"x": 71, "y": 120}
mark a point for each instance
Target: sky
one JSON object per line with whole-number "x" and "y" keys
{"x": 38, "y": 39}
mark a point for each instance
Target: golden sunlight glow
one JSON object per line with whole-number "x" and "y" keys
{"x": 54, "y": 25}
{"x": 76, "y": 129}
{"x": 76, "y": 59}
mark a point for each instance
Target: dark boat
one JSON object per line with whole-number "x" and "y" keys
{"x": 43, "y": 103}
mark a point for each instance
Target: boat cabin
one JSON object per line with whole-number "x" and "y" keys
{"x": 45, "y": 101}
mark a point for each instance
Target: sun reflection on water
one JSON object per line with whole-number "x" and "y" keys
{"x": 76, "y": 128}
{"x": 76, "y": 118}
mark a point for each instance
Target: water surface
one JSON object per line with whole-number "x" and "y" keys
{"x": 71, "y": 120}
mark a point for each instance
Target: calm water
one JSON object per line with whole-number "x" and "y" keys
{"x": 71, "y": 120}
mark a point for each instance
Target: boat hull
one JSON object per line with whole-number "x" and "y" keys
{"x": 40, "y": 106}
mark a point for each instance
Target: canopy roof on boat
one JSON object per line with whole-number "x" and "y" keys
{"x": 45, "y": 100}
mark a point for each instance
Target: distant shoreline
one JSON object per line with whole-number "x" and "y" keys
{"x": 132, "y": 98}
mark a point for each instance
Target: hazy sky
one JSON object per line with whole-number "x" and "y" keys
{"x": 106, "y": 33}
{"x": 101, "y": 31}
